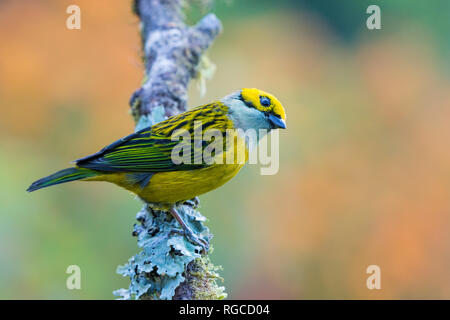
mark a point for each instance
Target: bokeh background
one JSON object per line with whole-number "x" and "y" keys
{"x": 365, "y": 163}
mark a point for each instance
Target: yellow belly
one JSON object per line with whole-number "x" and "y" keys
{"x": 171, "y": 187}
{"x": 168, "y": 188}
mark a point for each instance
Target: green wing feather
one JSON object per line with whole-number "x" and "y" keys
{"x": 150, "y": 150}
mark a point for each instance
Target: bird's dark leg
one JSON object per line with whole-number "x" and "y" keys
{"x": 188, "y": 233}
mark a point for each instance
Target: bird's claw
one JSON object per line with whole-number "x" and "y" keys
{"x": 193, "y": 238}
{"x": 193, "y": 203}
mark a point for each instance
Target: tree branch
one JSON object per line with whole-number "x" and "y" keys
{"x": 169, "y": 267}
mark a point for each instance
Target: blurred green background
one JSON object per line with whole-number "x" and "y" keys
{"x": 364, "y": 165}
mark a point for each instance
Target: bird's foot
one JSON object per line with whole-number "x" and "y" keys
{"x": 193, "y": 203}
{"x": 193, "y": 238}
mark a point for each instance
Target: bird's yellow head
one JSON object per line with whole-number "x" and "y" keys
{"x": 266, "y": 103}
{"x": 255, "y": 109}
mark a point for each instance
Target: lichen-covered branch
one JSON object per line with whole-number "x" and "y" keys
{"x": 169, "y": 266}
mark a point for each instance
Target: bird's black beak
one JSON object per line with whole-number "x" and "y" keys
{"x": 276, "y": 121}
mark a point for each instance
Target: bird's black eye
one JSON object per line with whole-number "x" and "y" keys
{"x": 265, "y": 102}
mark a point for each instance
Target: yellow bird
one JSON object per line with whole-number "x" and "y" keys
{"x": 143, "y": 162}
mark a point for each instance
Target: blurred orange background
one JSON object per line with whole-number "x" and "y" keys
{"x": 364, "y": 165}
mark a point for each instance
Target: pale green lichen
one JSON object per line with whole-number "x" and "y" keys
{"x": 168, "y": 258}
{"x": 205, "y": 71}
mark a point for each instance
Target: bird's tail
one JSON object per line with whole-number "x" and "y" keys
{"x": 62, "y": 176}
